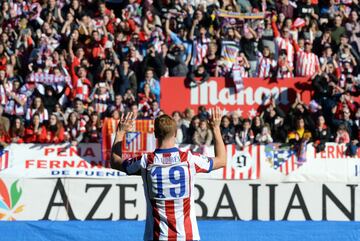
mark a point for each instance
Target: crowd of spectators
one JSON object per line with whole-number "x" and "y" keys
{"x": 65, "y": 65}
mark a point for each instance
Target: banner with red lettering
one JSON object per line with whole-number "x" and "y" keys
{"x": 221, "y": 92}
{"x": 268, "y": 163}
{"x": 38, "y": 161}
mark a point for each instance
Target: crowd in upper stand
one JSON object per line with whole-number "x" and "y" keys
{"x": 65, "y": 65}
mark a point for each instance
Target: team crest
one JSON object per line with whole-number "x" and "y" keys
{"x": 131, "y": 137}
{"x": 281, "y": 158}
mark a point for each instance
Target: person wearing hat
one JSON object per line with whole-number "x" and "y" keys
{"x": 307, "y": 63}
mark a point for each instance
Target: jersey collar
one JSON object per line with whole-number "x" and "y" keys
{"x": 174, "y": 149}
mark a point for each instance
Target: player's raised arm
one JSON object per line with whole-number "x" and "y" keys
{"x": 125, "y": 124}
{"x": 220, "y": 151}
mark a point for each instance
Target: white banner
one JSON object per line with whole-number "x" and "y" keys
{"x": 34, "y": 160}
{"x": 270, "y": 163}
{"x": 123, "y": 198}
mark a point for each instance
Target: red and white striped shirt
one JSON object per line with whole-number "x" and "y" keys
{"x": 3, "y": 88}
{"x": 200, "y": 49}
{"x": 306, "y": 63}
{"x": 44, "y": 116}
{"x": 168, "y": 176}
{"x": 72, "y": 132}
{"x": 14, "y": 108}
{"x": 286, "y": 44}
{"x": 264, "y": 67}
{"x": 283, "y": 71}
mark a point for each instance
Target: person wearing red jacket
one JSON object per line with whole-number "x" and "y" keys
{"x": 35, "y": 132}
{"x": 54, "y": 131}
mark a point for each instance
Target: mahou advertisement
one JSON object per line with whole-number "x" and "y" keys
{"x": 221, "y": 92}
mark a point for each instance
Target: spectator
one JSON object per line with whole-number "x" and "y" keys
{"x": 210, "y": 61}
{"x": 236, "y": 122}
{"x": 81, "y": 84}
{"x": 203, "y": 135}
{"x": 4, "y": 136}
{"x": 342, "y": 135}
{"x": 15, "y": 103}
{"x": 126, "y": 76}
{"x": 338, "y": 30}
{"x": 300, "y": 133}
{"x": 185, "y": 122}
{"x": 353, "y": 27}
{"x": 93, "y": 129}
{"x": 246, "y": 136}
{"x": 179, "y": 134}
{"x": 242, "y": 66}
{"x": 17, "y": 131}
{"x": 129, "y": 98}
{"x": 286, "y": 8}
{"x": 37, "y": 106}
{"x": 35, "y": 132}
{"x": 284, "y": 45}
{"x": 227, "y": 132}
{"x": 257, "y": 125}
{"x": 321, "y": 134}
{"x": 266, "y": 63}
{"x": 307, "y": 10}
{"x": 194, "y": 124}
{"x": 200, "y": 41}
{"x": 4, "y": 120}
{"x": 322, "y": 42}
{"x": 75, "y": 129}
{"x": 229, "y": 46}
{"x": 198, "y": 76}
{"x": 54, "y": 131}
{"x": 51, "y": 96}
{"x": 58, "y": 111}
{"x": 102, "y": 96}
{"x": 307, "y": 63}
{"x": 152, "y": 82}
{"x": 175, "y": 61}
{"x": 284, "y": 66}
{"x": 146, "y": 98}
{"x": 202, "y": 113}
{"x": 264, "y": 137}
{"x": 153, "y": 111}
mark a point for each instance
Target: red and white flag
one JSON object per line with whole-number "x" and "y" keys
{"x": 4, "y": 160}
{"x": 289, "y": 166}
{"x": 242, "y": 164}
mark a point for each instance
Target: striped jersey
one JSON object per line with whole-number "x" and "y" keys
{"x": 307, "y": 64}
{"x": 168, "y": 176}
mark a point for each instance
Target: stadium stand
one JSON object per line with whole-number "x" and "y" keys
{"x": 66, "y": 65}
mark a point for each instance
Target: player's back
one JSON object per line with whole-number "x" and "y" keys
{"x": 169, "y": 185}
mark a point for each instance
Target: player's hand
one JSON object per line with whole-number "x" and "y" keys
{"x": 215, "y": 119}
{"x": 126, "y": 122}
